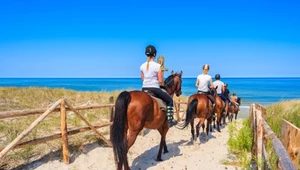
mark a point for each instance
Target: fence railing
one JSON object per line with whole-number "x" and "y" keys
{"x": 262, "y": 133}
{"x": 59, "y": 106}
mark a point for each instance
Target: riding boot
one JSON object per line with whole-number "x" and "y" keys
{"x": 171, "y": 121}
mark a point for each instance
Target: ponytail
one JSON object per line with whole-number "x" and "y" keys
{"x": 148, "y": 60}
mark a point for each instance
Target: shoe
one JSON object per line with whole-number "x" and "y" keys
{"x": 172, "y": 123}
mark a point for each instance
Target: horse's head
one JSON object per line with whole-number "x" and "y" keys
{"x": 213, "y": 91}
{"x": 173, "y": 84}
{"x": 238, "y": 100}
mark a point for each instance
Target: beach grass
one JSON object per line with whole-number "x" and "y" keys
{"x": 240, "y": 141}
{"x": 289, "y": 110}
{"x": 13, "y": 98}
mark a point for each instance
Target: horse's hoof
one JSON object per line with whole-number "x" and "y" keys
{"x": 159, "y": 160}
{"x": 166, "y": 151}
{"x": 219, "y": 130}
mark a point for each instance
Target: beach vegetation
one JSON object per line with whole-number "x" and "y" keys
{"x": 240, "y": 141}
{"x": 288, "y": 110}
{"x": 14, "y": 98}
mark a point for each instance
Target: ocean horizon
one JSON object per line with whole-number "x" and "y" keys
{"x": 264, "y": 91}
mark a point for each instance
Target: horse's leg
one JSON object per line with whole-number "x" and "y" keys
{"x": 218, "y": 125}
{"x": 214, "y": 121}
{"x": 219, "y": 117}
{"x": 197, "y": 130}
{"x": 207, "y": 128}
{"x": 163, "y": 131}
{"x": 236, "y": 115}
{"x": 132, "y": 135}
{"x": 192, "y": 129}
{"x": 201, "y": 123}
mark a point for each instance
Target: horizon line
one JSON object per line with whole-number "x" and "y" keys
{"x": 164, "y": 77}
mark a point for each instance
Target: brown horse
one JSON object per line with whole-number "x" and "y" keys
{"x": 221, "y": 108}
{"x": 136, "y": 110}
{"x": 200, "y": 107}
{"x": 234, "y": 109}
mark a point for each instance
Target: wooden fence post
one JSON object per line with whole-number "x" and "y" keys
{"x": 259, "y": 139}
{"x": 29, "y": 129}
{"x": 64, "y": 133}
{"x": 290, "y": 135}
{"x": 112, "y": 115}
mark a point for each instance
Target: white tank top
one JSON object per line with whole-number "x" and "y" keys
{"x": 203, "y": 80}
{"x": 220, "y": 85}
{"x": 150, "y": 75}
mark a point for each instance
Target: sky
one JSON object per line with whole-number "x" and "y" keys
{"x": 70, "y": 38}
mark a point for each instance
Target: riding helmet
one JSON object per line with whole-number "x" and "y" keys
{"x": 217, "y": 76}
{"x": 150, "y": 50}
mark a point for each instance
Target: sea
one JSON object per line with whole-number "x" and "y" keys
{"x": 264, "y": 91}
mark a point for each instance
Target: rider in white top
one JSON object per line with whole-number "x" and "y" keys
{"x": 202, "y": 84}
{"x": 203, "y": 80}
{"x": 150, "y": 75}
{"x": 220, "y": 87}
{"x": 152, "y": 78}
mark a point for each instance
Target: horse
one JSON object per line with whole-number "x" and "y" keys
{"x": 200, "y": 107}
{"x": 234, "y": 109}
{"x": 135, "y": 110}
{"x": 221, "y": 107}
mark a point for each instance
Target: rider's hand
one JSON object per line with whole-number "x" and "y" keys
{"x": 162, "y": 87}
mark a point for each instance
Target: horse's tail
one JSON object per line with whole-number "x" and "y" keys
{"x": 191, "y": 109}
{"x": 119, "y": 137}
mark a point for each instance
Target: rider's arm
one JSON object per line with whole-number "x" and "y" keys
{"x": 160, "y": 77}
{"x": 142, "y": 76}
{"x": 197, "y": 83}
{"x": 211, "y": 83}
{"x": 223, "y": 89}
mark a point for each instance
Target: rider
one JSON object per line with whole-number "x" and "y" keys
{"x": 220, "y": 87}
{"x": 202, "y": 84}
{"x": 234, "y": 99}
{"x": 226, "y": 92}
{"x": 152, "y": 78}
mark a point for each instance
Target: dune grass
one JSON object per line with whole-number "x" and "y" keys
{"x": 240, "y": 141}
{"x": 33, "y": 98}
{"x": 289, "y": 110}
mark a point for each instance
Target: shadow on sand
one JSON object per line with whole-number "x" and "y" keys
{"x": 148, "y": 158}
{"x": 75, "y": 151}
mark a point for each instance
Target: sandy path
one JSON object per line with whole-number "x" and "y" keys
{"x": 183, "y": 155}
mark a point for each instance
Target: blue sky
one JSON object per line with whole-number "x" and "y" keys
{"x": 107, "y": 39}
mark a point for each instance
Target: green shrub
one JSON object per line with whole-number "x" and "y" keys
{"x": 240, "y": 141}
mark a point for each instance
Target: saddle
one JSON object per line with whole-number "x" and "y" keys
{"x": 206, "y": 94}
{"x": 162, "y": 104}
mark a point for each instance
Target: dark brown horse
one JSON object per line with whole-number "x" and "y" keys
{"x": 234, "y": 109}
{"x": 136, "y": 110}
{"x": 221, "y": 110}
{"x": 200, "y": 107}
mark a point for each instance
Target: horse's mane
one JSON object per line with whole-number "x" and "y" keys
{"x": 169, "y": 81}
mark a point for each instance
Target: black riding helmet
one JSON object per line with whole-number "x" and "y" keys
{"x": 150, "y": 50}
{"x": 217, "y": 76}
